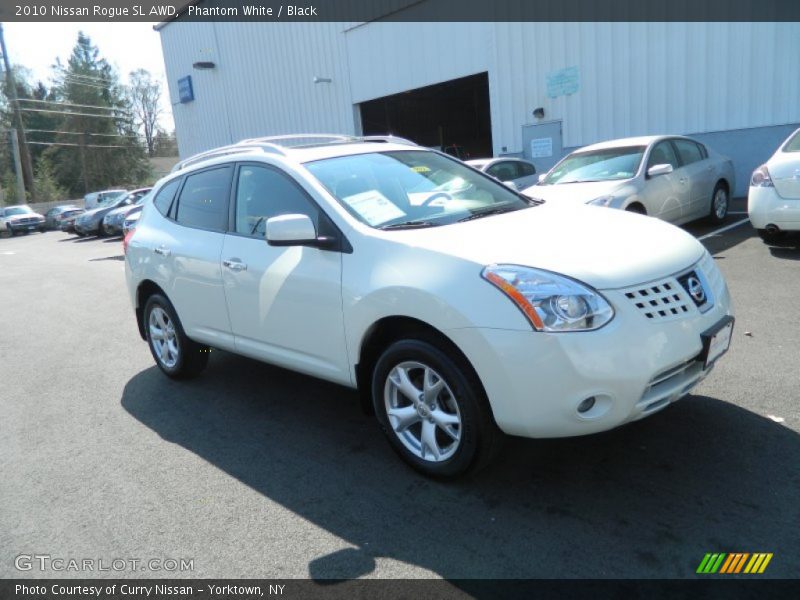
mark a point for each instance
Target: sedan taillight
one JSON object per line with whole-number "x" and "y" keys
{"x": 126, "y": 240}
{"x": 761, "y": 177}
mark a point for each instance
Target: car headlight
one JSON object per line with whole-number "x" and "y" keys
{"x": 601, "y": 201}
{"x": 551, "y": 302}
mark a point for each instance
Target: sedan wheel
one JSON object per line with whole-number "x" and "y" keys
{"x": 163, "y": 338}
{"x": 719, "y": 204}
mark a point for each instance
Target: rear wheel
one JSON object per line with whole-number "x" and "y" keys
{"x": 175, "y": 354}
{"x": 636, "y": 208}
{"x": 775, "y": 237}
{"x": 432, "y": 410}
{"x": 719, "y": 204}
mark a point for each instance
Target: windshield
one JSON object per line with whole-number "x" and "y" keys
{"x": 18, "y": 210}
{"x": 608, "y": 164}
{"x": 143, "y": 198}
{"x": 793, "y": 145}
{"x": 109, "y": 198}
{"x": 412, "y": 188}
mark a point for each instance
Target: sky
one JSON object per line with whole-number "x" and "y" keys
{"x": 126, "y": 46}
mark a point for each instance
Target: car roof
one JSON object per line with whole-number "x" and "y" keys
{"x": 644, "y": 140}
{"x": 18, "y": 206}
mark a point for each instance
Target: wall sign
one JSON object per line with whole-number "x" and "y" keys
{"x": 563, "y": 82}
{"x": 541, "y": 147}
{"x": 185, "y": 90}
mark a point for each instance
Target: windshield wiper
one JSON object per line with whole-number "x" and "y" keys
{"x": 410, "y": 225}
{"x": 486, "y": 213}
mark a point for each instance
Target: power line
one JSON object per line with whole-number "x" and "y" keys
{"x": 63, "y": 112}
{"x": 77, "y": 145}
{"x": 123, "y": 135}
{"x": 82, "y": 76}
{"x": 58, "y": 103}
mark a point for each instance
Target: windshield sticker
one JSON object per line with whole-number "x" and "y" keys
{"x": 375, "y": 208}
{"x": 421, "y": 169}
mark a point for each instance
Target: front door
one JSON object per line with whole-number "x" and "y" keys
{"x": 285, "y": 303}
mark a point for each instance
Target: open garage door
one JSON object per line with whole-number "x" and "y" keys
{"x": 453, "y": 116}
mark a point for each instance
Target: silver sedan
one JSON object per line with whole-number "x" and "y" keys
{"x": 674, "y": 178}
{"x": 512, "y": 171}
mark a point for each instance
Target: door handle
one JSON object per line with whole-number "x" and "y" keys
{"x": 162, "y": 250}
{"x": 234, "y": 264}
{"x": 683, "y": 180}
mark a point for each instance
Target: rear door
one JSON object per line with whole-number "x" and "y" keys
{"x": 285, "y": 303}
{"x": 189, "y": 248}
{"x": 699, "y": 171}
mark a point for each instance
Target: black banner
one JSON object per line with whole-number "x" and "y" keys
{"x": 250, "y": 589}
{"x": 399, "y": 10}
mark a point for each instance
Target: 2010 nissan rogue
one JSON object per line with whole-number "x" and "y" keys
{"x": 459, "y": 307}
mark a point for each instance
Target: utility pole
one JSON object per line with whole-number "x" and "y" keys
{"x": 17, "y": 166}
{"x": 27, "y": 169}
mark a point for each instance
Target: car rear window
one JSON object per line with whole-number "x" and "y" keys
{"x": 203, "y": 201}
{"x": 793, "y": 145}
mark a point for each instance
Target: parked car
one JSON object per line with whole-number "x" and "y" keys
{"x": 674, "y": 178}
{"x": 131, "y": 219}
{"x": 456, "y": 150}
{"x": 112, "y": 222}
{"x": 20, "y": 219}
{"x": 54, "y": 217}
{"x": 94, "y": 199}
{"x": 459, "y": 315}
{"x": 91, "y": 221}
{"x": 773, "y": 201}
{"x": 517, "y": 172}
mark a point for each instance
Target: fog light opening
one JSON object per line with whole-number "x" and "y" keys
{"x": 586, "y": 405}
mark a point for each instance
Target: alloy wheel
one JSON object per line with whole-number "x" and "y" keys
{"x": 720, "y": 203}
{"x": 422, "y": 411}
{"x": 163, "y": 337}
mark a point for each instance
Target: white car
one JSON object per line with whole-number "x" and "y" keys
{"x": 674, "y": 178}
{"x": 20, "y": 219}
{"x": 458, "y": 315}
{"x": 93, "y": 200}
{"x": 511, "y": 171}
{"x": 773, "y": 202}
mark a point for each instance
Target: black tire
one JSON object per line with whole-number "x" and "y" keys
{"x": 192, "y": 357}
{"x": 79, "y": 234}
{"x": 636, "y": 208}
{"x": 777, "y": 238}
{"x": 716, "y": 214}
{"x": 478, "y": 437}
{"x": 100, "y": 233}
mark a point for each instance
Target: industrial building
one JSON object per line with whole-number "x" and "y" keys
{"x": 532, "y": 89}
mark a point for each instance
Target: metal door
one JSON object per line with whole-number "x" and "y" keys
{"x": 542, "y": 144}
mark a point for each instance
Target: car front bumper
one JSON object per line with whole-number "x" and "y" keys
{"x": 633, "y": 367}
{"x": 765, "y": 207}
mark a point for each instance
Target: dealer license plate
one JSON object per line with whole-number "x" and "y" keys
{"x": 716, "y": 341}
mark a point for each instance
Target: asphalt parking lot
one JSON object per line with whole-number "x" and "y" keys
{"x": 252, "y": 471}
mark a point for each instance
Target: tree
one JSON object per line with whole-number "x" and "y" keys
{"x": 145, "y": 95}
{"x": 98, "y": 145}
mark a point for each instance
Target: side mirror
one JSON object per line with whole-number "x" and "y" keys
{"x": 540, "y": 176}
{"x": 662, "y": 169}
{"x": 296, "y": 230}
{"x": 510, "y": 183}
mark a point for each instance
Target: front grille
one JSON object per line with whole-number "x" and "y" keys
{"x": 670, "y": 385}
{"x": 660, "y": 301}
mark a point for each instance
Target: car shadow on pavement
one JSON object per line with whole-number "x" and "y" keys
{"x": 646, "y": 500}
{"x": 786, "y": 253}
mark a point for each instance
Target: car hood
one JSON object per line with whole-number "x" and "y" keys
{"x": 14, "y": 218}
{"x": 575, "y": 193}
{"x": 605, "y": 248}
{"x": 119, "y": 211}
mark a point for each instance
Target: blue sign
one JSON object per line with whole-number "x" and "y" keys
{"x": 185, "y": 91}
{"x": 563, "y": 82}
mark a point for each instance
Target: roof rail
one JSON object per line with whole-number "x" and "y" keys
{"x": 243, "y": 146}
{"x": 277, "y": 144}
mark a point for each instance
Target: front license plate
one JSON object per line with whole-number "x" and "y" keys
{"x": 31, "y": 227}
{"x": 716, "y": 341}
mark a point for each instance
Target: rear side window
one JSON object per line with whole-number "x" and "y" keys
{"x": 689, "y": 151}
{"x": 527, "y": 169}
{"x": 203, "y": 202}
{"x": 165, "y": 196}
{"x": 504, "y": 171}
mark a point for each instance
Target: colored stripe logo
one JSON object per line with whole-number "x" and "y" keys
{"x": 735, "y": 562}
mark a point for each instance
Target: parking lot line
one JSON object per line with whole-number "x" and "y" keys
{"x": 723, "y": 229}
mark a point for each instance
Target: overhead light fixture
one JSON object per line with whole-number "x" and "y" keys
{"x": 538, "y": 113}
{"x": 204, "y": 65}
{"x": 322, "y": 80}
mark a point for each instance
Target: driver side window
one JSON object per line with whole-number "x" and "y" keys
{"x": 264, "y": 192}
{"x": 663, "y": 154}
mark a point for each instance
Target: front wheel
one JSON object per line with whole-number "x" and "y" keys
{"x": 433, "y": 410}
{"x": 719, "y": 204}
{"x": 175, "y": 354}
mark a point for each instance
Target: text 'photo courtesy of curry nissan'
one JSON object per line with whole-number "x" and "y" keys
{"x": 462, "y": 309}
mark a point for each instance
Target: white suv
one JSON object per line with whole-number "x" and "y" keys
{"x": 459, "y": 308}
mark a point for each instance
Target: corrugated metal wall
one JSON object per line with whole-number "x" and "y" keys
{"x": 635, "y": 78}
